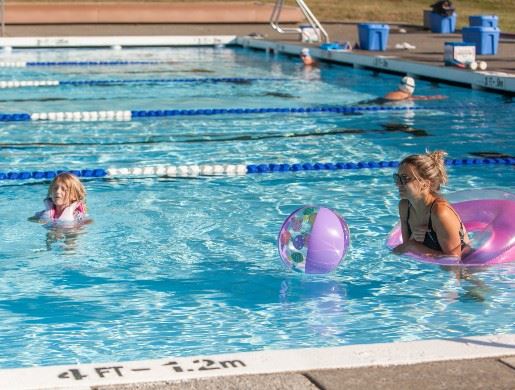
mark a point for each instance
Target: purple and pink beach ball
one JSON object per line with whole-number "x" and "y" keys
{"x": 313, "y": 240}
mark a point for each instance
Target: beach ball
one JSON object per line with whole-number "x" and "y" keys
{"x": 313, "y": 240}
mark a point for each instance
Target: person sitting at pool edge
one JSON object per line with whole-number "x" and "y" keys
{"x": 306, "y": 57}
{"x": 429, "y": 224}
{"x": 405, "y": 92}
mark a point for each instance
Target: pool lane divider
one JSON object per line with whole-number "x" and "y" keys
{"x": 128, "y": 115}
{"x": 27, "y": 64}
{"x": 77, "y": 83}
{"x": 234, "y": 169}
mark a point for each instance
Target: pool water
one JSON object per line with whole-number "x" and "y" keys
{"x": 190, "y": 266}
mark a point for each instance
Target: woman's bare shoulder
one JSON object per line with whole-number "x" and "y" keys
{"x": 443, "y": 211}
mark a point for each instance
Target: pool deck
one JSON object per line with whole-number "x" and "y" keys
{"x": 402, "y": 369}
{"x": 485, "y": 362}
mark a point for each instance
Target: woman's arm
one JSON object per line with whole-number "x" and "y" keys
{"x": 403, "y": 216}
{"x": 446, "y": 225}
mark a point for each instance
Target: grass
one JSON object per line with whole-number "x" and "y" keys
{"x": 396, "y": 11}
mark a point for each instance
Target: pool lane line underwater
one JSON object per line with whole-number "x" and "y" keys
{"x": 4, "y": 84}
{"x": 83, "y": 376}
{"x": 234, "y": 169}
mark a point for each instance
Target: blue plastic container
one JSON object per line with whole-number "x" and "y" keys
{"x": 483, "y": 21}
{"x": 373, "y": 36}
{"x": 486, "y": 39}
{"x": 442, "y": 24}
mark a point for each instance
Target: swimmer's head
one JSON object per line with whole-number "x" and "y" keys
{"x": 407, "y": 85}
{"x": 304, "y": 52}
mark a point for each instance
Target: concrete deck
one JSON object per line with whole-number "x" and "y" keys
{"x": 488, "y": 374}
{"x": 481, "y": 373}
{"x": 63, "y": 12}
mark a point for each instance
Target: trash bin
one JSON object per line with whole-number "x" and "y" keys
{"x": 373, "y": 36}
{"x": 442, "y": 24}
{"x": 486, "y": 39}
{"x": 483, "y": 20}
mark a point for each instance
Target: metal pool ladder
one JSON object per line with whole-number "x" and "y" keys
{"x": 310, "y": 17}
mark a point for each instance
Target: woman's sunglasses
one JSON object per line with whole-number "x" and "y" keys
{"x": 402, "y": 179}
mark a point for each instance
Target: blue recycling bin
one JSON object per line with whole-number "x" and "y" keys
{"x": 483, "y": 21}
{"x": 486, "y": 39}
{"x": 373, "y": 36}
{"x": 442, "y": 24}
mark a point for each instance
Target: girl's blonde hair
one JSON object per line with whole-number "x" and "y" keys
{"x": 75, "y": 189}
{"x": 429, "y": 166}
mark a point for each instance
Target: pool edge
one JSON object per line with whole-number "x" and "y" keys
{"x": 173, "y": 369}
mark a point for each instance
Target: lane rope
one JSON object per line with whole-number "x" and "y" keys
{"x": 25, "y": 64}
{"x": 127, "y": 115}
{"x": 76, "y": 83}
{"x": 234, "y": 169}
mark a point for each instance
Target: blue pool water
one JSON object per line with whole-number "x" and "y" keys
{"x": 190, "y": 266}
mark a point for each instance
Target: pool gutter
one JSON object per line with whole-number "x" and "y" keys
{"x": 82, "y": 376}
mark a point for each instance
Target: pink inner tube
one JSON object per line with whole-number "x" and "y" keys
{"x": 490, "y": 224}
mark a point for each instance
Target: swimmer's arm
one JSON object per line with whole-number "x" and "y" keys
{"x": 432, "y": 97}
{"x": 447, "y": 227}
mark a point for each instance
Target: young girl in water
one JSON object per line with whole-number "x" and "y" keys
{"x": 65, "y": 202}
{"x": 429, "y": 224}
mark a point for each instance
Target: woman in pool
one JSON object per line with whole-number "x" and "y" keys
{"x": 65, "y": 202}
{"x": 429, "y": 224}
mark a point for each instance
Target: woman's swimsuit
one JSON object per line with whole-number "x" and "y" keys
{"x": 430, "y": 239}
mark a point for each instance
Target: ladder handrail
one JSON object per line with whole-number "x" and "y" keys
{"x": 274, "y": 19}
{"x": 312, "y": 20}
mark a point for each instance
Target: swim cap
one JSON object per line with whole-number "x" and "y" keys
{"x": 305, "y": 52}
{"x": 407, "y": 84}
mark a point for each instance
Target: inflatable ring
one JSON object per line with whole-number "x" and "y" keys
{"x": 488, "y": 216}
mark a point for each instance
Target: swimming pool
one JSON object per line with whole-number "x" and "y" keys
{"x": 189, "y": 266}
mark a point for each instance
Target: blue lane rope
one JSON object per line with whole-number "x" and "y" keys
{"x": 301, "y": 110}
{"x": 242, "y": 169}
{"x": 128, "y": 115}
{"x": 92, "y": 63}
{"x": 176, "y": 80}
{"x": 55, "y": 83}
